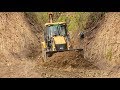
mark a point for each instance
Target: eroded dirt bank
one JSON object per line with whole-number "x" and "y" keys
{"x": 102, "y": 43}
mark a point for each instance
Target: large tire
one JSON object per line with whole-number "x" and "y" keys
{"x": 48, "y": 54}
{"x": 69, "y": 46}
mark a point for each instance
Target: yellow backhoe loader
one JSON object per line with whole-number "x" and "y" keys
{"x": 55, "y": 38}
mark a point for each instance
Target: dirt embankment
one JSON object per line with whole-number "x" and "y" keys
{"x": 102, "y": 46}
{"x": 18, "y": 44}
{"x": 16, "y": 35}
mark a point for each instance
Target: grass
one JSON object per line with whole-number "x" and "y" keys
{"x": 109, "y": 55}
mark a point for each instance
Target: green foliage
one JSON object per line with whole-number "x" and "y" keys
{"x": 75, "y": 20}
{"x": 42, "y": 17}
{"x": 109, "y": 55}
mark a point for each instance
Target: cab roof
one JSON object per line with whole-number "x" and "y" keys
{"x": 47, "y": 24}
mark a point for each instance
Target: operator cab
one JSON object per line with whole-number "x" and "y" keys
{"x": 56, "y": 29}
{"x": 53, "y": 30}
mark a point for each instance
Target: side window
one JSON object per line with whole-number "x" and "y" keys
{"x": 45, "y": 30}
{"x": 65, "y": 28}
{"x": 45, "y": 33}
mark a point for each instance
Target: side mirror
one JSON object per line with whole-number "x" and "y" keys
{"x": 81, "y": 35}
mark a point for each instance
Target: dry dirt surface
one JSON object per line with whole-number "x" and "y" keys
{"x": 20, "y": 54}
{"x": 102, "y": 44}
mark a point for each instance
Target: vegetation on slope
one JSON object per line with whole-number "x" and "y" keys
{"x": 75, "y": 20}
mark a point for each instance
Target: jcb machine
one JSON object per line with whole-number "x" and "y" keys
{"x": 56, "y": 38}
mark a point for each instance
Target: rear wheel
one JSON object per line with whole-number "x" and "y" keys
{"x": 69, "y": 46}
{"x": 48, "y": 54}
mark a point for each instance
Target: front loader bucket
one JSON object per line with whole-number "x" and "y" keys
{"x": 50, "y": 53}
{"x": 75, "y": 50}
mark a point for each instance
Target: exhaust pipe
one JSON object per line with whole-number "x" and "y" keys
{"x": 51, "y": 17}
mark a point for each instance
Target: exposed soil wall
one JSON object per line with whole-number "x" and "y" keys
{"x": 102, "y": 46}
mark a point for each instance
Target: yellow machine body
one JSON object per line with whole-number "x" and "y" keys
{"x": 59, "y": 40}
{"x": 44, "y": 44}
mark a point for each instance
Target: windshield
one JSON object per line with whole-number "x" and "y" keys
{"x": 57, "y": 30}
